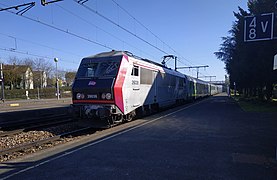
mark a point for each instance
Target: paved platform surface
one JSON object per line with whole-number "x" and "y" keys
{"x": 32, "y": 104}
{"x": 211, "y": 139}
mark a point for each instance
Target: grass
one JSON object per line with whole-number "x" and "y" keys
{"x": 255, "y": 105}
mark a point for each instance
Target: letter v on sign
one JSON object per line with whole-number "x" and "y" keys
{"x": 264, "y": 26}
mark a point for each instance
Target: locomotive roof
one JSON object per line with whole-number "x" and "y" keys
{"x": 106, "y": 54}
{"x": 118, "y": 53}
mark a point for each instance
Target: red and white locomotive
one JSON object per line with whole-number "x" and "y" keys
{"x": 116, "y": 86}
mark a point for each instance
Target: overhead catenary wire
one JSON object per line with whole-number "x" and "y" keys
{"x": 89, "y": 40}
{"x": 62, "y": 30}
{"x": 70, "y": 33}
{"x": 66, "y": 31}
{"x": 32, "y": 54}
{"x": 110, "y": 34}
{"x": 26, "y": 52}
{"x": 38, "y": 44}
{"x": 156, "y": 36}
{"x": 119, "y": 26}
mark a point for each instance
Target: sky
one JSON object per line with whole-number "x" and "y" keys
{"x": 188, "y": 29}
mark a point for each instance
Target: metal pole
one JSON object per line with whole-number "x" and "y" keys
{"x": 57, "y": 80}
{"x": 2, "y": 82}
{"x": 38, "y": 92}
{"x": 175, "y": 63}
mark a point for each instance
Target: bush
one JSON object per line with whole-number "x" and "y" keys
{"x": 45, "y": 93}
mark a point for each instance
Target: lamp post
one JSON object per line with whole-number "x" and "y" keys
{"x": 57, "y": 80}
{"x": 2, "y": 82}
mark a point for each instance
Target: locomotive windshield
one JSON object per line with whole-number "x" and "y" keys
{"x": 98, "y": 69}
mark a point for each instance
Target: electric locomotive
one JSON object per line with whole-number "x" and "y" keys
{"x": 116, "y": 86}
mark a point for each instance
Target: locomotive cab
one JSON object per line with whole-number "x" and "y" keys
{"x": 93, "y": 89}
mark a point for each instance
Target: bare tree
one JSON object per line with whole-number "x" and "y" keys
{"x": 43, "y": 70}
{"x": 14, "y": 60}
{"x": 28, "y": 62}
{"x": 43, "y": 65}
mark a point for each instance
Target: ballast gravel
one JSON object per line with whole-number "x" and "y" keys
{"x": 33, "y": 136}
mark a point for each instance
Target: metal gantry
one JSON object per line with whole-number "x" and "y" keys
{"x": 168, "y": 57}
{"x": 194, "y": 67}
{"x": 208, "y": 77}
{"x": 27, "y": 6}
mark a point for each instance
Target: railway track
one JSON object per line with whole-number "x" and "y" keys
{"x": 34, "y": 127}
{"x": 26, "y": 136}
{"x": 24, "y": 146}
{"x": 14, "y": 145}
{"x": 18, "y": 136}
{"x": 34, "y": 122}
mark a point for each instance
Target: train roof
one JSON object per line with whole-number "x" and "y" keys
{"x": 107, "y": 54}
{"x": 118, "y": 53}
{"x": 197, "y": 80}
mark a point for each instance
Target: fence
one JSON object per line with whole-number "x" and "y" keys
{"x": 44, "y": 93}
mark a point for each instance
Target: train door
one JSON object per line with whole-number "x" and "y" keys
{"x": 135, "y": 99}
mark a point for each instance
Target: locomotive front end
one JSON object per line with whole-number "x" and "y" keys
{"x": 93, "y": 94}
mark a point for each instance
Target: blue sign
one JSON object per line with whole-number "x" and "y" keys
{"x": 257, "y": 28}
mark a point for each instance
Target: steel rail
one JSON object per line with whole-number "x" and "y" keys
{"x": 31, "y": 121}
{"x": 38, "y": 126}
{"x": 40, "y": 142}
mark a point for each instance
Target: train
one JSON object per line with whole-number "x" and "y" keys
{"x": 116, "y": 86}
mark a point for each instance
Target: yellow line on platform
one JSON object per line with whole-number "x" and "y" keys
{"x": 14, "y": 105}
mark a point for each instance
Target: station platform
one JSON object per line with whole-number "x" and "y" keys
{"x": 209, "y": 139}
{"x": 32, "y": 104}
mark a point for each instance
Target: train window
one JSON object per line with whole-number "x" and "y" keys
{"x": 146, "y": 76}
{"x": 108, "y": 69}
{"x": 135, "y": 71}
{"x": 89, "y": 70}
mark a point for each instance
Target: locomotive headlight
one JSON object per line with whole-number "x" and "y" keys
{"x": 108, "y": 96}
{"x": 103, "y": 96}
{"x": 80, "y": 96}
